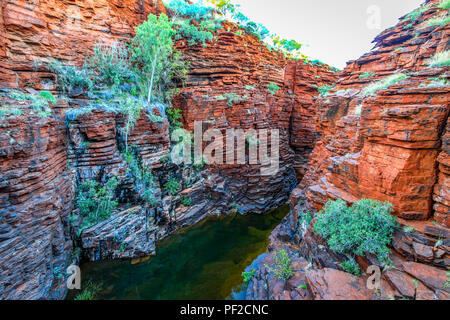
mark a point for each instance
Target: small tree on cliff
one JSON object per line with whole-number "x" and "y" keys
{"x": 152, "y": 48}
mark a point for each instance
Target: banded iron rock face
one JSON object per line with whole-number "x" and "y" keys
{"x": 40, "y": 174}
{"x": 40, "y": 31}
{"x": 391, "y": 145}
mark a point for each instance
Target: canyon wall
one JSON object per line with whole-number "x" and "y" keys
{"x": 43, "y": 160}
{"x": 386, "y": 146}
{"x": 35, "y": 32}
{"x": 389, "y": 145}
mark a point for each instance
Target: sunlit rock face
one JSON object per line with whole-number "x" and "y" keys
{"x": 36, "y": 31}
{"x": 43, "y": 160}
{"x": 391, "y": 145}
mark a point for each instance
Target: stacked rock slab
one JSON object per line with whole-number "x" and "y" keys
{"x": 392, "y": 145}
{"x": 44, "y": 159}
{"x": 35, "y": 32}
{"x": 240, "y": 65}
{"x": 36, "y": 193}
{"x": 386, "y": 146}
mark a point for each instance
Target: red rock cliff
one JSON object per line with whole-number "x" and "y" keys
{"x": 37, "y": 187}
{"x": 386, "y": 146}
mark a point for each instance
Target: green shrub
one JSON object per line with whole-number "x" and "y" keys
{"x": 194, "y": 11}
{"x": 438, "y": 21}
{"x": 232, "y": 98}
{"x": 6, "y": 111}
{"x": 248, "y": 275}
{"x": 38, "y": 102}
{"x": 365, "y": 227}
{"x": 96, "y": 203}
{"x": 323, "y": 90}
{"x": 70, "y": 78}
{"x": 445, "y": 5}
{"x": 186, "y": 201}
{"x": 367, "y": 74}
{"x": 383, "y": 84}
{"x": 47, "y": 96}
{"x": 290, "y": 48}
{"x": 413, "y": 16}
{"x": 441, "y": 59}
{"x": 172, "y": 186}
{"x": 273, "y": 88}
{"x": 304, "y": 220}
{"x": 154, "y": 55}
{"x": 144, "y": 181}
{"x": 175, "y": 115}
{"x": 281, "y": 267}
{"x": 351, "y": 266}
{"x": 110, "y": 63}
{"x": 73, "y": 114}
{"x": 196, "y": 34}
{"x": 89, "y": 292}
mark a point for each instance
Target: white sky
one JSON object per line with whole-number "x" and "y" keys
{"x": 333, "y": 31}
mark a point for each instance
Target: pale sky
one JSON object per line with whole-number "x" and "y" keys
{"x": 333, "y": 31}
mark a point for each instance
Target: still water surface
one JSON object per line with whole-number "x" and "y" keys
{"x": 204, "y": 261}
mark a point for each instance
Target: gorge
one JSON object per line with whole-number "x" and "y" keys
{"x": 376, "y": 130}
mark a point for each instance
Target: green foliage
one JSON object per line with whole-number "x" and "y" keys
{"x": 194, "y": 22}
{"x": 152, "y": 51}
{"x": 196, "y": 34}
{"x": 154, "y": 118}
{"x": 71, "y": 78}
{"x": 445, "y": 5}
{"x": 383, "y": 84}
{"x": 73, "y": 114}
{"x": 225, "y": 7}
{"x": 172, "y": 186}
{"x": 281, "y": 267}
{"x": 413, "y": 16}
{"x": 175, "y": 115}
{"x": 89, "y": 292}
{"x": 129, "y": 106}
{"x": 438, "y": 21}
{"x": 304, "y": 220}
{"x": 290, "y": 48}
{"x": 323, "y": 90}
{"x": 440, "y": 81}
{"x": 248, "y": 275}
{"x": 367, "y": 74}
{"x": 365, "y": 227}
{"x": 38, "y": 102}
{"x": 96, "y": 203}
{"x": 47, "y": 96}
{"x": 6, "y": 112}
{"x": 186, "y": 201}
{"x": 351, "y": 266}
{"x": 232, "y": 98}
{"x": 110, "y": 63}
{"x": 447, "y": 283}
{"x": 273, "y": 88}
{"x": 194, "y": 10}
{"x": 144, "y": 181}
{"x": 439, "y": 60}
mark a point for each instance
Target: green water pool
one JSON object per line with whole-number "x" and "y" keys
{"x": 204, "y": 261}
